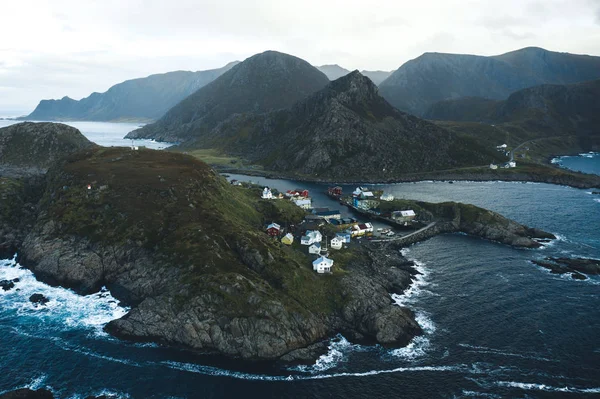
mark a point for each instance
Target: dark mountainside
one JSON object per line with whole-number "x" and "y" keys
{"x": 31, "y": 148}
{"x": 27, "y": 150}
{"x": 143, "y": 99}
{"x": 546, "y": 109}
{"x": 434, "y": 77}
{"x": 261, "y": 83}
{"x": 347, "y": 132}
{"x": 335, "y": 71}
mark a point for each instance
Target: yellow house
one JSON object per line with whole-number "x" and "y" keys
{"x": 288, "y": 239}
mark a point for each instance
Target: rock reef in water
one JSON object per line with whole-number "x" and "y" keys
{"x": 577, "y": 267}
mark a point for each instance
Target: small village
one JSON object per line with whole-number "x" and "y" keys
{"x": 324, "y": 230}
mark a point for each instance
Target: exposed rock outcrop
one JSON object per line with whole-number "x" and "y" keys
{"x": 577, "y": 267}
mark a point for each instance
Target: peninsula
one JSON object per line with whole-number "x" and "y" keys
{"x": 190, "y": 253}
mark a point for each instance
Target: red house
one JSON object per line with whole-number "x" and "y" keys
{"x": 273, "y": 229}
{"x": 335, "y": 191}
{"x": 297, "y": 193}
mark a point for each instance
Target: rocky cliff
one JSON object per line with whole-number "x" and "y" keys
{"x": 27, "y": 150}
{"x": 261, "y": 83}
{"x": 346, "y": 131}
{"x": 143, "y": 99}
{"x": 434, "y": 77}
{"x": 186, "y": 250}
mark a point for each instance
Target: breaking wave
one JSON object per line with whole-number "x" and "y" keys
{"x": 65, "y": 308}
{"x": 546, "y": 388}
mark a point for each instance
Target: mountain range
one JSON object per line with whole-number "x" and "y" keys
{"x": 263, "y": 82}
{"x": 143, "y": 99}
{"x": 433, "y": 77}
{"x": 547, "y": 109}
{"x": 344, "y": 131}
{"x": 335, "y": 71}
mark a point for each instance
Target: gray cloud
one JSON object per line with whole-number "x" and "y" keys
{"x": 70, "y": 47}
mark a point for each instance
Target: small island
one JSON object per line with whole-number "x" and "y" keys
{"x": 212, "y": 266}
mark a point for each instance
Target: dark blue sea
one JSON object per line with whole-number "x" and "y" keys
{"x": 496, "y": 325}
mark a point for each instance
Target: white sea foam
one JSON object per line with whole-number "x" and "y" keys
{"x": 109, "y": 393}
{"x": 338, "y": 351}
{"x": 500, "y": 352}
{"x": 415, "y": 289}
{"x": 207, "y": 370}
{"x": 597, "y": 200}
{"x": 64, "y": 308}
{"x": 542, "y": 387}
{"x": 473, "y": 394}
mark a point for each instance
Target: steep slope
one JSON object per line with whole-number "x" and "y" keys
{"x": 334, "y": 71}
{"x": 434, "y": 77}
{"x": 346, "y": 132}
{"x": 263, "y": 82}
{"x": 27, "y": 150}
{"x": 141, "y": 99}
{"x": 546, "y": 109}
{"x": 31, "y": 148}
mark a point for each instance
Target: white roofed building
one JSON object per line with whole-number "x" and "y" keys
{"x": 323, "y": 265}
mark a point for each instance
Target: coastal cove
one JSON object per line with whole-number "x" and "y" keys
{"x": 467, "y": 290}
{"x": 585, "y": 163}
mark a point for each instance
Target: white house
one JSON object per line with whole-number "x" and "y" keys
{"x": 387, "y": 197}
{"x": 336, "y": 242}
{"x": 311, "y": 237}
{"x": 303, "y": 203}
{"x": 315, "y": 248}
{"x": 501, "y": 147}
{"x": 361, "y": 229}
{"x": 512, "y": 164}
{"x": 493, "y": 166}
{"x": 267, "y": 194}
{"x": 323, "y": 265}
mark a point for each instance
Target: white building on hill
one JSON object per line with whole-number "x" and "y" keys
{"x": 267, "y": 194}
{"x": 323, "y": 265}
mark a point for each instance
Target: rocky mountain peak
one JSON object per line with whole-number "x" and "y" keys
{"x": 354, "y": 85}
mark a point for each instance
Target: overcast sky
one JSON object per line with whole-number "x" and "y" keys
{"x": 49, "y": 49}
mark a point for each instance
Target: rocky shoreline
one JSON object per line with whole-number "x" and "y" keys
{"x": 186, "y": 251}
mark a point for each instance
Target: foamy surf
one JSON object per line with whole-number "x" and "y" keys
{"x": 500, "y": 352}
{"x": 65, "y": 307}
{"x": 338, "y": 350}
{"x": 547, "y": 388}
{"x": 207, "y": 370}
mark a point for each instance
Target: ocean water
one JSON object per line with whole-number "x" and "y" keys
{"x": 588, "y": 162}
{"x": 107, "y": 134}
{"x": 495, "y": 325}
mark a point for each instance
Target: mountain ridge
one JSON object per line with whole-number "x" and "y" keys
{"x": 330, "y": 131}
{"x": 263, "y": 82}
{"x": 434, "y": 77}
{"x": 140, "y": 99}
